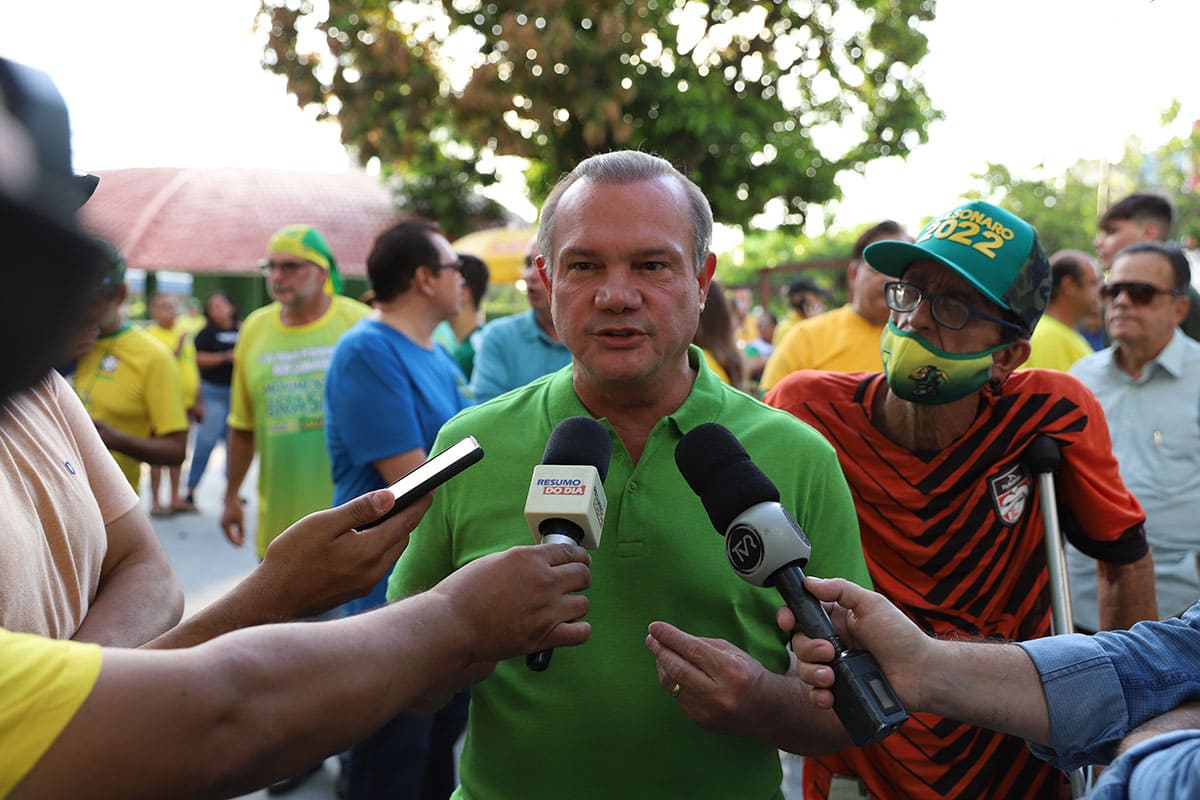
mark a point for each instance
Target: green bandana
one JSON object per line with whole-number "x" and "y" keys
{"x": 306, "y": 242}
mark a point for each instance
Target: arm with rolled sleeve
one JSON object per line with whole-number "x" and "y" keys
{"x": 1099, "y": 688}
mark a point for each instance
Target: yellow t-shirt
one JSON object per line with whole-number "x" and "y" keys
{"x": 1055, "y": 345}
{"x": 837, "y": 341}
{"x": 43, "y": 682}
{"x": 181, "y": 342}
{"x": 132, "y": 382}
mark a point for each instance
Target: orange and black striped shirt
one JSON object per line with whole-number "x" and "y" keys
{"x": 955, "y": 538}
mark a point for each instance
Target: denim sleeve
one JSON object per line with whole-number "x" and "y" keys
{"x": 1098, "y": 688}
{"x": 1165, "y": 766}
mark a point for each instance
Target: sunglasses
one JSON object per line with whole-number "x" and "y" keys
{"x": 1139, "y": 293}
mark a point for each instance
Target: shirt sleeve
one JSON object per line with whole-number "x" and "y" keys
{"x": 370, "y": 398}
{"x": 241, "y": 407}
{"x": 43, "y": 683}
{"x": 1109, "y": 517}
{"x": 1165, "y": 766}
{"x": 1099, "y": 688}
{"x": 164, "y": 396}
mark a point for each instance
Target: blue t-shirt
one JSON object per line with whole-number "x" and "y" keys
{"x": 384, "y": 395}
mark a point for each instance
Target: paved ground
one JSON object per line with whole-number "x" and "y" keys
{"x": 208, "y": 566}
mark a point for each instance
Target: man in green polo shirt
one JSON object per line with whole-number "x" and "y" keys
{"x": 624, "y": 243}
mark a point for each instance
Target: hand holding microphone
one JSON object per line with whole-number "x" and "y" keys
{"x": 566, "y": 502}
{"x": 766, "y": 547}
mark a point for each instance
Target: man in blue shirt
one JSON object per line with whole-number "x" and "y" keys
{"x": 1148, "y": 383}
{"x": 389, "y": 389}
{"x": 514, "y": 350}
{"x": 1133, "y": 695}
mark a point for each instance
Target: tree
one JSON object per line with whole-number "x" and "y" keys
{"x": 756, "y": 101}
{"x": 1064, "y": 208}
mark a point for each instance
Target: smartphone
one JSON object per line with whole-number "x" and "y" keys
{"x": 433, "y": 473}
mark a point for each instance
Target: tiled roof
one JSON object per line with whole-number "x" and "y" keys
{"x": 219, "y": 220}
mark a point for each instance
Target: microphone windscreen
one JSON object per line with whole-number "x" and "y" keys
{"x": 579, "y": 441}
{"x": 719, "y": 470}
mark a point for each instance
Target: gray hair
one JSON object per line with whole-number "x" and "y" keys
{"x": 624, "y": 167}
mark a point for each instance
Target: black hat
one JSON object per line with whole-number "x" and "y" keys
{"x": 36, "y": 132}
{"x": 51, "y": 270}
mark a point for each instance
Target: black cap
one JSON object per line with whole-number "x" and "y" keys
{"x": 579, "y": 441}
{"x": 718, "y": 468}
{"x": 34, "y": 118}
{"x": 51, "y": 269}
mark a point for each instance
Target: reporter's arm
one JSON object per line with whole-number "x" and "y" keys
{"x": 256, "y": 705}
{"x": 992, "y": 685}
{"x": 139, "y": 595}
{"x": 1101, "y": 687}
{"x": 318, "y": 563}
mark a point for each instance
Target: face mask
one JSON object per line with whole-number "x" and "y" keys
{"x": 920, "y": 373}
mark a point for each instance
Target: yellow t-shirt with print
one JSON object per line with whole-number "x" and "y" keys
{"x": 278, "y": 393}
{"x": 43, "y": 682}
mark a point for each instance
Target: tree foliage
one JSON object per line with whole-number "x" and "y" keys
{"x": 1064, "y": 208}
{"x": 757, "y": 101}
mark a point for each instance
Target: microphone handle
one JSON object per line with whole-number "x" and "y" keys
{"x": 539, "y": 661}
{"x": 863, "y": 700}
{"x": 810, "y": 614}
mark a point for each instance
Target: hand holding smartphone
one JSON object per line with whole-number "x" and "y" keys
{"x": 433, "y": 473}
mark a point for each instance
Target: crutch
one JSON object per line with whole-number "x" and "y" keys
{"x": 1043, "y": 459}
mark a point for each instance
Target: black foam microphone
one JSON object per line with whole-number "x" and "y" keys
{"x": 766, "y": 547}
{"x": 566, "y": 501}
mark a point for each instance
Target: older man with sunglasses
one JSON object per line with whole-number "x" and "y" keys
{"x": 951, "y": 527}
{"x": 1148, "y": 383}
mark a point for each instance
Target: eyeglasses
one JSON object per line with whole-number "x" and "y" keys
{"x": 286, "y": 267}
{"x": 1139, "y": 293}
{"x": 947, "y": 311}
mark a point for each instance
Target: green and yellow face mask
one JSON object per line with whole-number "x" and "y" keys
{"x": 921, "y": 373}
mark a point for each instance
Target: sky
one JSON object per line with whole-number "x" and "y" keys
{"x": 1021, "y": 82}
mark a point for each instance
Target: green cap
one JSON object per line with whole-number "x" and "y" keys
{"x": 996, "y": 251}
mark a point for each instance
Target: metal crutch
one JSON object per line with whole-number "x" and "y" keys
{"x": 1043, "y": 459}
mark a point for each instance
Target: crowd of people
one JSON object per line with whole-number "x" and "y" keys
{"x": 894, "y": 427}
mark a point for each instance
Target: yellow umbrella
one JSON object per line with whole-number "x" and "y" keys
{"x": 502, "y": 249}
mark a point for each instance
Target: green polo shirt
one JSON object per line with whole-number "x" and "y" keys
{"x": 597, "y": 724}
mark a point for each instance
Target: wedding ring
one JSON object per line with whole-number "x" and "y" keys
{"x": 675, "y": 690}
